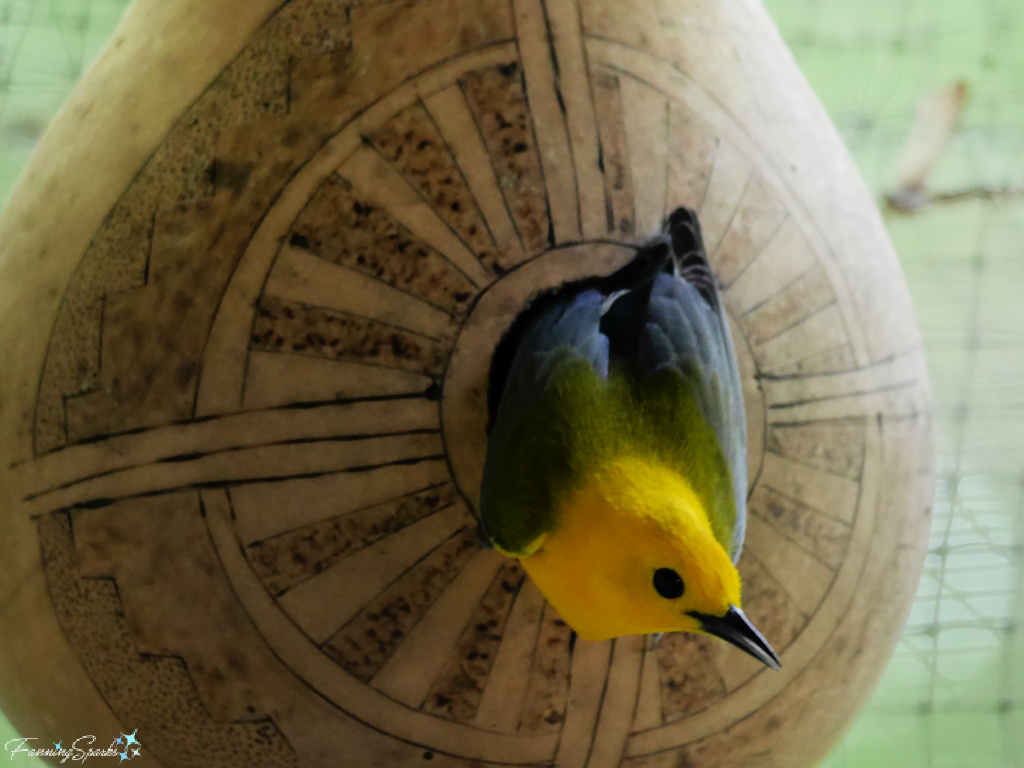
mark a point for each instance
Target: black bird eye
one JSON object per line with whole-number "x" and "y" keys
{"x": 668, "y": 583}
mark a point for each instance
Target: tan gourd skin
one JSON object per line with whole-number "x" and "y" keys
{"x": 103, "y": 632}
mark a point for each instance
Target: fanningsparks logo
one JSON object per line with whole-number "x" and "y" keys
{"x": 124, "y": 747}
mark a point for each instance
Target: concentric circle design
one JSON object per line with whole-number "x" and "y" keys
{"x": 277, "y": 362}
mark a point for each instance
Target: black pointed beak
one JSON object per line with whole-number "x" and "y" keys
{"x": 736, "y": 628}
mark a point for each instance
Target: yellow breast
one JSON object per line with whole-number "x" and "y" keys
{"x": 629, "y": 519}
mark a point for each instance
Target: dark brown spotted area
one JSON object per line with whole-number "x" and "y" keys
{"x": 354, "y": 233}
{"x": 298, "y": 329}
{"x": 497, "y": 99}
{"x": 414, "y": 144}
{"x": 690, "y": 677}
{"x": 135, "y": 318}
{"x": 548, "y": 693}
{"x": 697, "y": 672}
{"x": 290, "y": 558}
{"x": 457, "y": 692}
{"x": 365, "y": 644}
{"x": 157, "y": 690}
{"x": 769, "y": 606}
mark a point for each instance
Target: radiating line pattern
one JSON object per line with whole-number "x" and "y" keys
{"x": 315, "y": 447}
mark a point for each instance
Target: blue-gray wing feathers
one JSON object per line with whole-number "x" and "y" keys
{"x": 662, "y": 310}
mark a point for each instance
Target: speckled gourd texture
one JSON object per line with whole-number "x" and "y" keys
{"x": 249, "y": 289}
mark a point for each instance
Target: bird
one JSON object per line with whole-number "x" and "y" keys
{"x": 615, "y": 470}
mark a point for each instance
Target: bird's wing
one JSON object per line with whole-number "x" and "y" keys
{"x": 677, "y": 321}
{"x": 526, "y": 459}
{"x": 660, "y": 312}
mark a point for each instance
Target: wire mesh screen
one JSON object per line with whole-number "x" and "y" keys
{"x": 45, "y": 45}
{"x": 952, "y": 694}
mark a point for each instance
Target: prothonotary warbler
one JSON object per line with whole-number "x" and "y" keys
{"x": 616, "y": 460}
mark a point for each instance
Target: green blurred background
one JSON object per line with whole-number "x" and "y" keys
{"x": 952, "y": 695}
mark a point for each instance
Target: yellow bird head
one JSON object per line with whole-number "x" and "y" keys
{"x": 634, "y": 553}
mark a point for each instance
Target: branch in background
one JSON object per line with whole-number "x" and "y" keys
{"x": 938, "y": 115}
{"x": 905, "y": 202}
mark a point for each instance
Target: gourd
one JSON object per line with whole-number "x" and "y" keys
{"x": 250, "y": 286}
